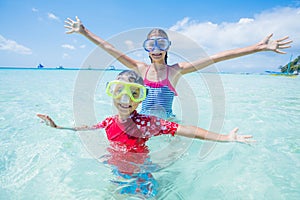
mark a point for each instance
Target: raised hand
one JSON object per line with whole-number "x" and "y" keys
{"x": 275, "y": 45}
{"x": 47, "y": 120}
{"x": 73, "y": 26}
{"x": 234, "y": 137}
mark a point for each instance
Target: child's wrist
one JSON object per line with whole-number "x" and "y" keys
{"x": 66, "y": 128}
{"x": 260, "y": 47}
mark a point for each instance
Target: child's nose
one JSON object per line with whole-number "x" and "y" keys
{"x": 156, "y": 49}
{"x": 125, "y": 99}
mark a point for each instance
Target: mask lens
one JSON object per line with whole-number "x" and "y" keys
{"x": 135, "y": 91}
{"x": 115, "y": 89}
{"x": 149, "y": 45}
{"x": 162, "y": 43}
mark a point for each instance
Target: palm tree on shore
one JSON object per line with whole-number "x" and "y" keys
{"x": 292, "y": 66}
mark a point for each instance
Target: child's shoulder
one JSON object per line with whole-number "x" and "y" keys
{"x": 106, "y": 122}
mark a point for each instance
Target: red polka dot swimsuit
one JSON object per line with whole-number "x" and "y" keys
{"x": 137, "y": 129}
{"x": 128, "y": 149}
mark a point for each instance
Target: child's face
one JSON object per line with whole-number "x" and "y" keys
{"x": 126, "y": 95}
{"x": 125, "y": 105}
{"x": 158, "y": 54}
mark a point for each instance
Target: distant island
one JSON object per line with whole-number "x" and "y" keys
{"x": 291, "y": 67}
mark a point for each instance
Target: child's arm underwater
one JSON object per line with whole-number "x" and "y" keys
{"x": 264, "y": 45}
{"x": 199, "y": 133}
{"x": 77, "y": 27}
{"x": 49, "y": 122}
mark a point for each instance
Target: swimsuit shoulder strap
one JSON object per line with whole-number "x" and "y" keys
{"x": 145, "y": 78}
{"x": 168, "y": 83}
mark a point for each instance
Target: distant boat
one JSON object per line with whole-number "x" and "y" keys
{"x": 60, "y": 67}
{"x": 40, "y": 66}
{"x": 111, "y": 67}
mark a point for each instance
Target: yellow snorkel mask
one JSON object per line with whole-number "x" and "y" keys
{"x": 135, "y": 91}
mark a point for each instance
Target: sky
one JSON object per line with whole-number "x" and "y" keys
{"x": 33, "y": 32}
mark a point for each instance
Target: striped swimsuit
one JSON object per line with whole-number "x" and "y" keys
{"x": 159, "y": 100}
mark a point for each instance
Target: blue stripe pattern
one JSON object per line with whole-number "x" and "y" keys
{"x": 158, "y": 102}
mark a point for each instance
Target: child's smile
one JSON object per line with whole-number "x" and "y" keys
{"x": 125, "y": 109}
{"x": 156, "y": 55}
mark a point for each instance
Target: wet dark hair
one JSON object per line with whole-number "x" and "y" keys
{"x": 130, "y": 76}
{"x": 160, "y": 32}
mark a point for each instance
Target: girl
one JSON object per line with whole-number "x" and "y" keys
{"x": 161, "y": 78}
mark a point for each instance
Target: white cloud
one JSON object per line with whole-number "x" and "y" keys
{"x": 66, "y": 56}
{"x": 10, "y": 45}
{"x": 129, "y": 44}
{"x": 245, "y": 21}
{"x": 68, "y": 46}
{"x": 246, "y": 31}
{"x": 181, "y": 24}
{"x": 34, "y": 10}
{"x": 82, "y": 46}
{"x": 52, "y": 16}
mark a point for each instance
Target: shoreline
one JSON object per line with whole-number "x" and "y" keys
{"x": 59, "y": 69}
{"x": 116, "y": 69}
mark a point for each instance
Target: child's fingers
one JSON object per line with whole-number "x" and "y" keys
{"x": 44, "y": 117}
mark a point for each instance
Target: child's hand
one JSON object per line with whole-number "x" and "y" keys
{"x": 48, "y": 121}
{"x": 275, "y": 45}
{"x": 234, "y": 137}
{"x": 74, "y": 26}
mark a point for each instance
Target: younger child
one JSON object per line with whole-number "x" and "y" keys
{"x": 128, "y": 132}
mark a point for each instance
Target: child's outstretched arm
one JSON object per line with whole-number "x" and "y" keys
{"x": 199, "y": 133}
{"x": 264, "y": 45}
{"x": 77, "y": 27}
{"x": 49, "y": 122}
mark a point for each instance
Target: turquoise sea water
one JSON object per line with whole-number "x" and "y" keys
{"x": 37, "y": 162}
